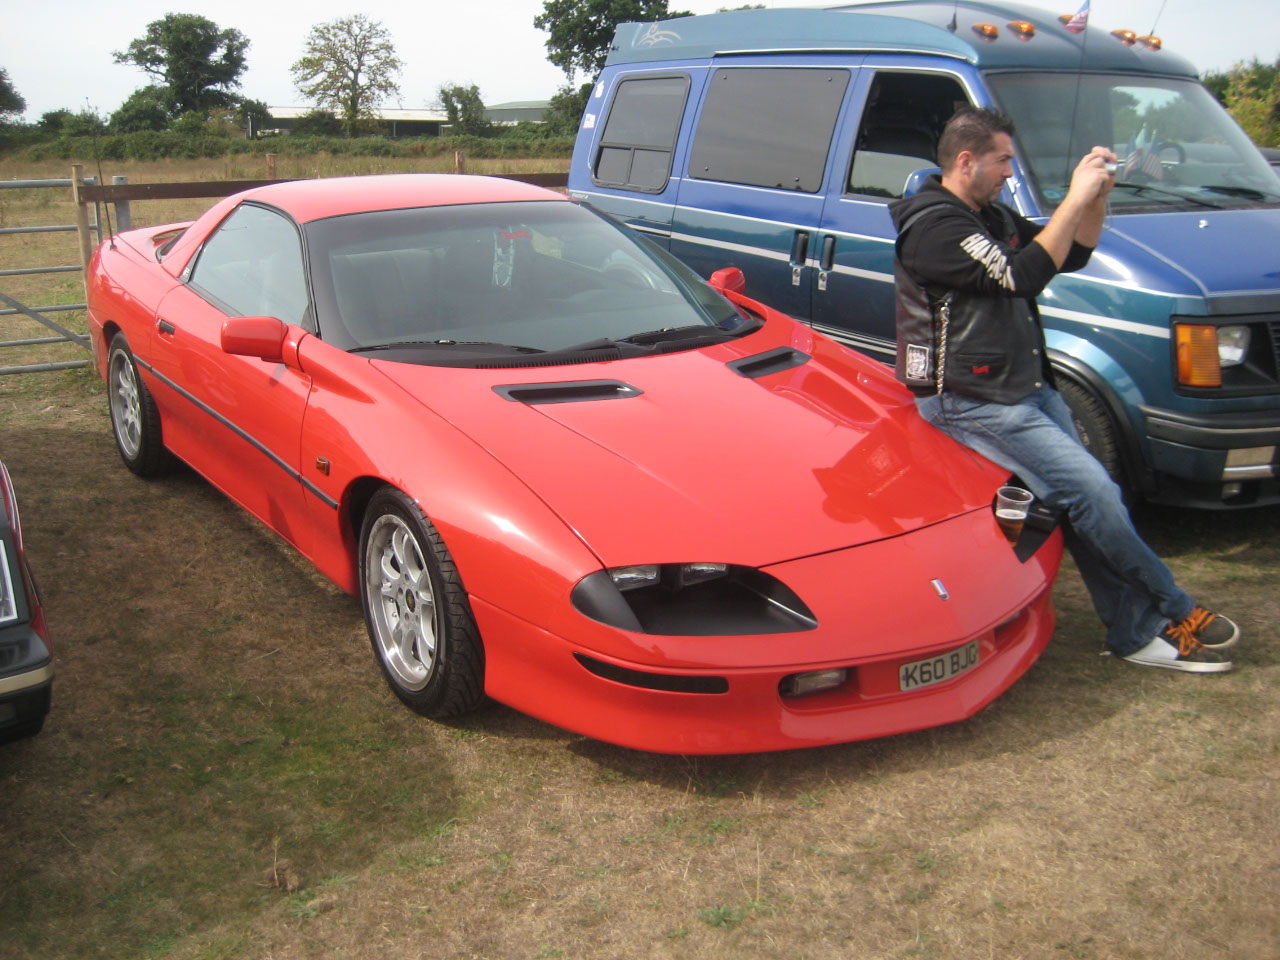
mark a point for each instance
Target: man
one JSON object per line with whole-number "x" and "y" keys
{"x": 970, "y": 346}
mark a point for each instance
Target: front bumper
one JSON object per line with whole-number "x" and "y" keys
{"x": 729, "y": 699}
{"x": 26, "y": 680}
{"x": 1212, "y": 460}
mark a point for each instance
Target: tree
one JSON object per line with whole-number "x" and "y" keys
{"x": 193, "y": 58}
{"x": 581, "y": 30}
{"x": 564, "y": 112}
{"x": 253, "y": 116}
{"x": 11, "y": 101}
{"x": 316, "y": 123}
{"x": 147, "y": 108}
{"x": 349, "y": 64}
{"x": 465, "y": 110}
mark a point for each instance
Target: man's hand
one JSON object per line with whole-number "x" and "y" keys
{"x": 1093, "y": 179}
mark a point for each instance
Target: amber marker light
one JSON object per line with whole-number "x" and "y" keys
{"x": 1150, "y": 42}
{"x": 1127, "y": 37}
{"x": 1198, "y": 364}
{"x": 1022, "y": 29}
{"x": 987, "y": 31}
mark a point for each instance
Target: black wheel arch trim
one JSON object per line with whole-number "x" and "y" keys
{"x": 1138, "y": 474}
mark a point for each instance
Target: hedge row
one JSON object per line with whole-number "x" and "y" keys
{"x": 155, "y": 145}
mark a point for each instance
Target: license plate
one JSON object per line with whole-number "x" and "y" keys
{"x": 925, "y": 673}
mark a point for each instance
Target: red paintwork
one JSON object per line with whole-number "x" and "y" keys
{"x": 822, "y": 474}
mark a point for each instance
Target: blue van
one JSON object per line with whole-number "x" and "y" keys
{"x": 774, "y": 141}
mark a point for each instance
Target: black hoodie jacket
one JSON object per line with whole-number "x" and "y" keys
{"x": 966, "y": 286}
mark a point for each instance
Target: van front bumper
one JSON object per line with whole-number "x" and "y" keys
{"x": 1215, "y": 460}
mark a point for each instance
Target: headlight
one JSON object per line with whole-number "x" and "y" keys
{"x": 1204, "y": 350}
{"x": 1233, "y": 345}
{"x": 692, "y": 599}
{"x": 8, "y": 602}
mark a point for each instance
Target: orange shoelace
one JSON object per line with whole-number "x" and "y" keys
{"x": 1186, "y": 630}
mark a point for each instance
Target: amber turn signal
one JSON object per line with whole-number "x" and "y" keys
{"x": 1198, "y": 364}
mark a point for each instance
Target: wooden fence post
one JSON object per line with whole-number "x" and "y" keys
{"x": 82, "y": 224}
{"x": 271, "y": 166}
{"x": 459, "y": 161}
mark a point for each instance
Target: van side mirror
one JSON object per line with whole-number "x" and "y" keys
{"x": 916, "y": 180}
{"x": 729, "y": 280}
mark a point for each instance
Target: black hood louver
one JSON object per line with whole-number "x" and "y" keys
{"x": 771, "y": 361}
{"x": 575, "y": 391}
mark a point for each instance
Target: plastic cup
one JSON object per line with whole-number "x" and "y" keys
{"x": 1012, "y": 504}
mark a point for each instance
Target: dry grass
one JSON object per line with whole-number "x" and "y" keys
{"x": 224, "y": 775}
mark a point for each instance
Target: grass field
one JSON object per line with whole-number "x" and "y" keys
{"x": 224, "y": 774}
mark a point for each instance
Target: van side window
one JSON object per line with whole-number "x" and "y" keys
{"x": 768, "y": 127}
{"x": 640, "y": 133}
{"x": 904, "y": 117}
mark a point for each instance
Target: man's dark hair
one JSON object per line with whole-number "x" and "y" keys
{"x": 973, "y": 129}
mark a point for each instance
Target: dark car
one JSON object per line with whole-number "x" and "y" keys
{"x": 26, "y": 655}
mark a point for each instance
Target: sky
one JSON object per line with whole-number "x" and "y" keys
{"x": 59, "y": 55}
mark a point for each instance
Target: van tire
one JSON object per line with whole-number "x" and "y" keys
{"x": 1093, "y": 423}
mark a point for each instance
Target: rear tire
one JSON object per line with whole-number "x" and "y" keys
{"x": 134, "y": 417}
{"x": 1094, "y": 425}
{"x": 416, "y": 611}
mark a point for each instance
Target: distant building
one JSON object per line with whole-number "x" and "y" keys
{"x": 418, "y": 123}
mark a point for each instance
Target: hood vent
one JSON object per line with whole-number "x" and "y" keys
{"x": 578, "y": 391}
{"x": 771, "y": 361}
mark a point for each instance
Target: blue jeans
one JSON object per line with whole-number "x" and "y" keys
{"x": 1133, "y": 591}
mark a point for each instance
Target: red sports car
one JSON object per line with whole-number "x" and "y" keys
{"x": 562, "y": 471}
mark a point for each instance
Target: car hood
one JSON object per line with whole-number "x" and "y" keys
{"x": 1215, "y": 252}
{"x": 704, "y": 463}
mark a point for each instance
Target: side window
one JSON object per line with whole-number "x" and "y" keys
{"x": 640, "y": 133}
{"x": 768, "y": 127}
{"x": 252, "y": 266}
{"x": 903, "y": 119}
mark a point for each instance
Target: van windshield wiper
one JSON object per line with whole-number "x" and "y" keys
{"x": 1245, "y": 193}
{"x": 1165, "y": 192}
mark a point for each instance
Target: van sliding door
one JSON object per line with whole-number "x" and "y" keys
{"x": 893, "y": 136}
{"x": 757, "y": 171}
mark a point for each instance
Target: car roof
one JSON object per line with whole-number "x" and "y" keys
{"x": 899, "y": 26}
{"x": 307, "y": 200}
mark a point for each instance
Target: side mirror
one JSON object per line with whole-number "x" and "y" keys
{"x": 729, "y": 280}
{"x": 261, "y": 337}
{"x": 916, "y": 180}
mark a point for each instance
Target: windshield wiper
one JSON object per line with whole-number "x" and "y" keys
{"x": 1246, "y": 193}
{"x": 1164, "y": 191}
{"x": 487, "y": 344}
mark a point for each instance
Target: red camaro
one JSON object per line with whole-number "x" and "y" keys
{"x": 562, "y": 471}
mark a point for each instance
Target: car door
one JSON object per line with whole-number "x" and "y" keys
{"x": 905, "y": 102}
{"x": 757, "y": 171}
{"x": 237, "y": 420}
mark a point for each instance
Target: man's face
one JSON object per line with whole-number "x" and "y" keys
{"x": 990, "y": 170}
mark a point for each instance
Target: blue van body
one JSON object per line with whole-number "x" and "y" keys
{"x": 774, "y": 141}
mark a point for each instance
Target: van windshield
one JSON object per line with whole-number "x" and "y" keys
{"x": 1177, "y": 147}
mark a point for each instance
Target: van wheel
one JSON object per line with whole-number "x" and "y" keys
{"x": 1093, "y": 423}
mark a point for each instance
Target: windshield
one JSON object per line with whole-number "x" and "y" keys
{"x": 1177, "y": 147}
{"x": 464, "y": 284}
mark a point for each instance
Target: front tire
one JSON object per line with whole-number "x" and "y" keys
{"x": 1094, "y": 425}
{"x": 415, "y": 608}
{"x": 134, "y": 417}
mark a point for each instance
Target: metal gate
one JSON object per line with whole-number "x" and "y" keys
{"x": 10, "y": 306}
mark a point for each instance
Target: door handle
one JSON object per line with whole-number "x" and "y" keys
{"x": 165, "y": 327}
{"x": 799, "y": 251}
{"x": 826, "y": 260}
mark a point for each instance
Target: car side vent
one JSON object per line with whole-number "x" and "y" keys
{"x": 772, "y": 361}
{"x": 672, "y": 683}
{"x": 577, "y": 391}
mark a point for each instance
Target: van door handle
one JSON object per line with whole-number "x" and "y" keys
{"x": 799, "y": 251}
{"x": 825, "y": 262}
{"x": 165, "y": 327}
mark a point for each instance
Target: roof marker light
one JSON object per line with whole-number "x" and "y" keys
{"x": 1150, "y": 42}
{"x": 1127, "y": 37}
{"x": 1022, "y": 29}
{"x": 987, "y": 31}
